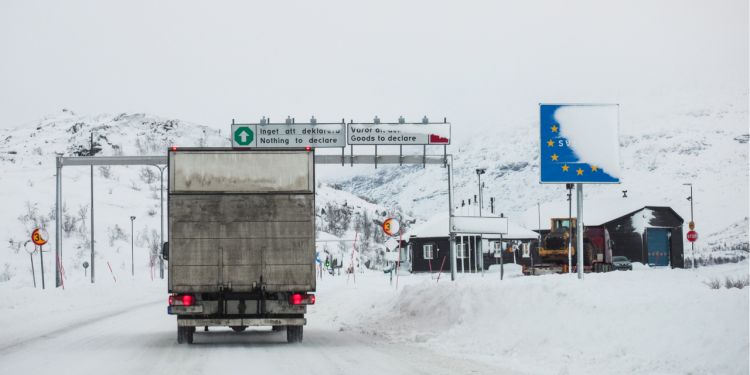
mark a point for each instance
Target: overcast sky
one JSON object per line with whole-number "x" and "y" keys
{"x": 478, "y": 63}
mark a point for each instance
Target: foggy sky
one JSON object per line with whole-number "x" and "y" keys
{"x": 478, "y": 63}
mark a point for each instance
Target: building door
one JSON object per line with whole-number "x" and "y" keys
{"x": 657, "y": 246}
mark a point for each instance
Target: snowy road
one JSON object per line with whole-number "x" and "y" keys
{"x": 142, "y": 341}
{"x": 477, "y": 325}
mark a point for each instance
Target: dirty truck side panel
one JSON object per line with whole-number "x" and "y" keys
{"x": 239, "y": 241}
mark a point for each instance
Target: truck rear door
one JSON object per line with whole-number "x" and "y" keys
{"x": 239, "y": 220}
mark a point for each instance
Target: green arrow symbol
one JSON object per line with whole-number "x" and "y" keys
{"x": 243, "y": 136}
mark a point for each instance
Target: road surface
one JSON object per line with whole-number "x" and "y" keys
{"x": 142, "y": 340}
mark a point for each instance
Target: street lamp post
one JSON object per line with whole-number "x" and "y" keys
{"x": 692, "y": 243}
{"x": 480, "y": 172}
{"x": 132, "y": 245}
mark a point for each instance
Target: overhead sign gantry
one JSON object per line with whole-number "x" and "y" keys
{"x": 295, "y": 135}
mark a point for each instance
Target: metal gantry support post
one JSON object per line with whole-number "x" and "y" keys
{"x": 92, "y": 220}
{"x": 58, "y": 217}
{"x": 579, "y": 229}
{"x": 60, "y": 161}
{"x": 161, "y": 227}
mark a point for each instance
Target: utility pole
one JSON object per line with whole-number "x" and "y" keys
{"x": 132, "y": 245}
{"x": 480, "y": 172}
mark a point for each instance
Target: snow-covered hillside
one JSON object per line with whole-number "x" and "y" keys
{"x": 707, "y": 147}
{"x": 27, "y": 183}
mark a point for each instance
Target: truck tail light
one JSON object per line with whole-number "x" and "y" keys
{"x": 181, "y": 300}
{"x": 302, "y": 299}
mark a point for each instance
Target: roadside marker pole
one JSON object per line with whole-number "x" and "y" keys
{"x": 33, "y": 276}
{"x": 110, "y": 271}
{"x": 441, "y": 270}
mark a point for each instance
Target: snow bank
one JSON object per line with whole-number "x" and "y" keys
{"x": 28, "y": 313}
{"x": 645, "y": 321}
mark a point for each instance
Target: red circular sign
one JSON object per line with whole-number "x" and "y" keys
{"x": 391, "y": 227}
{"x": 39, "y": 236}
{"x": 692, "y": 236}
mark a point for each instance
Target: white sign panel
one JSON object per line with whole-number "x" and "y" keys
{"x": 391, "y": 244}
{"x": 479, "y": 224}
{"x": 399, "y": 134}
{"x": 288, "y": 136}
{"x": 391, "y": 256}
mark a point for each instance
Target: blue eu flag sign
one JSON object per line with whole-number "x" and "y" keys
{"x": 579, "y": 143}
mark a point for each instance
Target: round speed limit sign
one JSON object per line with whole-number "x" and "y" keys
{"x": 39, "y": 236}
{"x": 391, "y": 227}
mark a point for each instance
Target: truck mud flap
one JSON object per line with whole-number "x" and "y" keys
{"x": 241, "y": 322}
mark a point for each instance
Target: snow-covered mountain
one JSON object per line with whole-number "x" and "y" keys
{"x": 660, "y": 151}
{"x": 27, "y": 183}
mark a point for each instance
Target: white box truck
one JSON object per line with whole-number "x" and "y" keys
{"x": 241, "y": 239}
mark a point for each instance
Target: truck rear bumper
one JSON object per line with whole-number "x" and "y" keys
{"x": 199, "y": 322}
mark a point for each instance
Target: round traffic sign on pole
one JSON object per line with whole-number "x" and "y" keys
{"x": 391, "y": 226}
{"x": 691, "y": 225}
{"x": 692, "y": 236}
{"x": 39, "y": 236}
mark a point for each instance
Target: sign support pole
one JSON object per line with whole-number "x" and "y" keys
{"x": 579, "y": 229}
{"x": 452, "y": 244}
{"x": 692, "y": 243}
{"x": 502, "y": 260}
{"x": 41, "y": 264}
{"x": 570, "y": 230}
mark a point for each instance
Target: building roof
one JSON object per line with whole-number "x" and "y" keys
{"x": 437, "y": 226}
{"x": 596, "y": 211}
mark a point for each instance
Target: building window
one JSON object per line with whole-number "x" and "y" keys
{"x": 427, "y": 251}
{"x": 498, "y": 247}
{"x": 461, "y": 252}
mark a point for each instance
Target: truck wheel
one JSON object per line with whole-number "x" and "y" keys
{"x": 238, "y": 328}
{"x": 294, "y": 334}
{"x": 189, "y": 334}
{"x": 185, "y": 335}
